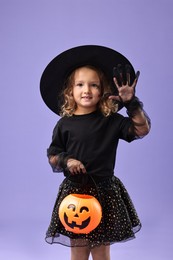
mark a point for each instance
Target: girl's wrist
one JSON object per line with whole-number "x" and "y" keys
{"x": 133, "y": 105}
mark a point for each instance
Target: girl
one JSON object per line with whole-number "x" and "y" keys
{"x": 85, "y": 140}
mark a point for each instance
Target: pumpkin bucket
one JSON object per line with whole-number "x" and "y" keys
{"x": 80, "y": 213}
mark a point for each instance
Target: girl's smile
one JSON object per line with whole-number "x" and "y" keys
{"x": 86, "y": 90}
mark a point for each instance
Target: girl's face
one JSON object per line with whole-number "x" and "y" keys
{"x": 86, "y": 90}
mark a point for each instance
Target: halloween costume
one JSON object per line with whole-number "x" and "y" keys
{"x": 93, "y": 140}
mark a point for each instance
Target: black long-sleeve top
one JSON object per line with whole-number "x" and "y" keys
{"x": 92, "y": 139}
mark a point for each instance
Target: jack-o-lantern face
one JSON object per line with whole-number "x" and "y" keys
{"x": 80, "y": 213}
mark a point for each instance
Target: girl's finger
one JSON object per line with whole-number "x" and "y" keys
{"x": 115, "y": 98}
{"x": 137, "y": 75}
{"x": 136, "y": 79}
{"x": 116, "y": 83}
{"x": 128, "y": 72}
{"x": 82, "y": 167}
{"x": 134, "y": 83}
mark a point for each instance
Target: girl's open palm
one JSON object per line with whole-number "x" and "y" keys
{"x": 125, "y": 91}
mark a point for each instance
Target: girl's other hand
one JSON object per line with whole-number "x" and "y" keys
{"x": 75, "y": 166}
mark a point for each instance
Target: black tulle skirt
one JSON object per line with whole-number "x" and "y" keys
{"x": 119, "y": 218}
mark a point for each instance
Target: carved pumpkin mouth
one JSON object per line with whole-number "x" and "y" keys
{"x": 84, "y": 224}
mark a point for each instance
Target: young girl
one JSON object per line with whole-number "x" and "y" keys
{"x": 85, "y": 140}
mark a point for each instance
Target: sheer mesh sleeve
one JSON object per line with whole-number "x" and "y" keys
{"x": 57, "y": 148}
{"x": 61, "y": 162}
{"x": 132, "y": 108}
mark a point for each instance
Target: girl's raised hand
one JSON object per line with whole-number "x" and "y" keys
{"x": 126, "y": 91}
{"x": 75, "y": 166}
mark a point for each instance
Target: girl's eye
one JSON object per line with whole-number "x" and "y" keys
{"x": 79, "y": 84}
{"x": 95, "y": 85}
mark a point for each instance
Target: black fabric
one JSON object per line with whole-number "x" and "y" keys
{"x": 91, "y": 139}
{"x": 62, "y": 159}
{"x": 133, "y": 105}
{"x": 119, "y": 221}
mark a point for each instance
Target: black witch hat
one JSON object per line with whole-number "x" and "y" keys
{"x": 54, "y": 76}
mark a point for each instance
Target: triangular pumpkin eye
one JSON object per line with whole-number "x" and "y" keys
{"x": 84, "y": 208}
{"x": 71, "y": 206}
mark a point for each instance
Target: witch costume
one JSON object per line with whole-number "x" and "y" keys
{"x": 92, "y": 139}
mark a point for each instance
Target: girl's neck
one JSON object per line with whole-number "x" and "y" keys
{"x": 84, "y": 111}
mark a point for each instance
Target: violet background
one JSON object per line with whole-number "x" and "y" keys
{"x": 33, "y": 33}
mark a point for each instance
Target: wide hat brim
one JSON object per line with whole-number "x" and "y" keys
{"x": 56, "y": 72}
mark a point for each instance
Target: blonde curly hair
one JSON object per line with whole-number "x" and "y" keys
{"x": 105, "y": 105}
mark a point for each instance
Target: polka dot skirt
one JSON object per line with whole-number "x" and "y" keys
{"x": 119, "y": 218}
